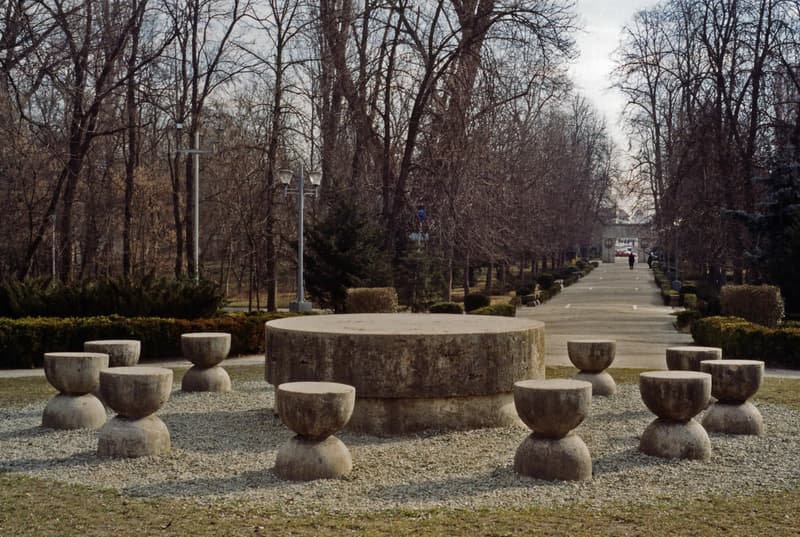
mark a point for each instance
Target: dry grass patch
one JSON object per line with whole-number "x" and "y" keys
{"x": 38, "y": 508}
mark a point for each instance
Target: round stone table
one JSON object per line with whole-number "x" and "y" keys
{"x": 412, "y": 372}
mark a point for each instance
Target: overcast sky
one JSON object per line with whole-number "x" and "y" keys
{"x": 602, "y": 21}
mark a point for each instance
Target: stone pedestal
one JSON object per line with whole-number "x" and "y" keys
{"x": 688, "y": 358}
{"x": 592, "y": 358}
{"x": 75, "y": 375}
{"x": 552, "y": 408}
{"x": 676, "y": 397}
{"x": 733, "y": 382}
{"x": 121, "y": 352}
{"x": 206, "y": 350}
{"x": 135, "y": 393}
{"x": 314, "y": 410}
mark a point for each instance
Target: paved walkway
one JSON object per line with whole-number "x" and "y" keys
{"x": 615, "y": 302}
{"x": 612, "y": 302}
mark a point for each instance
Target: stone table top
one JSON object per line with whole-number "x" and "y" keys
{"x": 404, "y": 324}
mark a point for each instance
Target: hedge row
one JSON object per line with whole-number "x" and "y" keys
{"x": 144, "y": 297}
{"x": 23, "y": 342}
{"x": 505, "y": 310}
{"x": 446, "y": 307}
{"x": 371, "y": 300}
{"x": 739, "y": 338}
{"x": 762, "y": 304}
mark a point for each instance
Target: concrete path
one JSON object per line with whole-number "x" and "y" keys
{"x": 612, "y": 302}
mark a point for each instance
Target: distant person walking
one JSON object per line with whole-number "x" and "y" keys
{"x": 650, "y": 259}
{"x": 631, "y": 259}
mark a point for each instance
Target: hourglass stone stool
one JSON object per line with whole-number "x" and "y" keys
{"x": 688, "y": 358}
{"x": 676, "y": 397}
{"x": 314, "y": 410}
{"x": 121, "y": 352}
{"x": 552, "y": 408}
{"x": 135, "y": 393}
{"x": 733, "y": 382}
{"x": 206, "y": 350}
{"x": 75, "y": 375}
{"x": 592, "y": 358}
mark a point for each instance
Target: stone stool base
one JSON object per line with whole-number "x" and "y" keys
{"x": 208, "y": 379}
{"x": 74, "y": 412}
{"x": 125, "y": 437}
{"x": 602, "y": 383}
{"x": 301, "y": 459}
{"x": 675, "y": 440}
{"x": 565, "y": 459}
{"x": 733, "y": 419}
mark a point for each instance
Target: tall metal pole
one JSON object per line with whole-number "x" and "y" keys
{"x": 197, "y": 205}
{"x": 53, "y": 221}
{"x": 300, "y": 210}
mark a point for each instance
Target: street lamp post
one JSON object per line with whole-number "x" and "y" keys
{"x": 286, "y": 178}
{"x": 53, "y": 245}
{"x": 195, "y": 152}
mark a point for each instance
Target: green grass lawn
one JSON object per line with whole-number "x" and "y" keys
{"x": 35, "y": 507}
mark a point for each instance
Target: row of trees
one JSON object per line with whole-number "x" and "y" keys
{"x": 458, "y": 106}
{"x": 713, "y": 90}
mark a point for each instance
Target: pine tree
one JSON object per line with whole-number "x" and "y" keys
{"x": 343, "y": 250}
{"x": 776, "y": 231}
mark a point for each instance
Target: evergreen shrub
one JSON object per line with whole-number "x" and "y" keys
{"x": 473, "y": 301}
{"x": 526, "y": 289}
{"x": 739, "y": 338}
{"x": 685, "y": 318}
{"x": 507, "y": 310}
{"x": 23, "y": 342}
{"x": 144, "y": 297}
{"x": 446, "y": 307}
{"x": 550, "y": 292}
{"x": 545, "y": 280}
{"x": 760, "y": 304}
{"x": 371, "y": 300}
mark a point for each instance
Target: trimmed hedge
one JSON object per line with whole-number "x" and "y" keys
{"x": 545, "y": 280}
{"x": 690, "y": 301}
{"x": 446, "y": 307}
{"x": 371, "y": 300}
{"x": 685, "y": 318}
{"x": 506, "y": 310}
{"x": 762, "y": 304}
{"x": 23, "y": 342}
{"x": 145, "y": 297}
{"x": 740, "y": 338}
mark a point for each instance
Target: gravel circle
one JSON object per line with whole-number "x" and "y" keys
{"x": 224, "y": 447}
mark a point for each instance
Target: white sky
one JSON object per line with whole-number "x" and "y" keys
{"x": 602, "y": 22}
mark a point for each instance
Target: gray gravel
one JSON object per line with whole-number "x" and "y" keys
{"x": 224, "y": 446}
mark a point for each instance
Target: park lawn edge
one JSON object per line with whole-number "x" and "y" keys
{"x": 37, "y": 507}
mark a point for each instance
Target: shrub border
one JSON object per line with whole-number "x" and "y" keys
{"x": 23, "y": 342}
{"x": 739, "y": 338}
